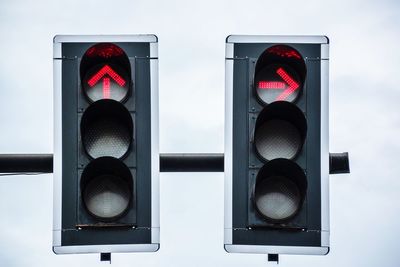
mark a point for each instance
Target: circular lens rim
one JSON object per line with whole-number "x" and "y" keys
{"x": 291, "y": 171}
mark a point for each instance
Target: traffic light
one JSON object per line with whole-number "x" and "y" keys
{"x": 276, "y": 146}
{"x": 106, "y": 158}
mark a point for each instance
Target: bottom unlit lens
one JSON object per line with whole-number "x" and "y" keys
{"x": 279, "y": 190}
{"x": 277, "y": 198}
{"x": 107, "y": 189}
{"x": 107, "y": 196}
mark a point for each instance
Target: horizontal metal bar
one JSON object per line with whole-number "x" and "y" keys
{"x": 26, "y": 163}
{"x": 43, "y": 163}
{"x": 169, "y": 162}
{"x": 186, "y": 162}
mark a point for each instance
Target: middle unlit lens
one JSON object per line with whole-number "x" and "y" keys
{"x": 107, "y": 129}
{"x": 277, "y": 139}
{"x": 106, "y": 137}
{"x": 280, "y": 131}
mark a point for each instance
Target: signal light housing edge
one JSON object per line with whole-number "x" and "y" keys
{"x": 70, "y": 103}
{"x": 245, "y": 231}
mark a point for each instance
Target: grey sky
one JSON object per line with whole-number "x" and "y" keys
{"x": 364, "y": 120}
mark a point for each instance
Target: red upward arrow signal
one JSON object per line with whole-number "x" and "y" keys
{"x": 106, "y": 70}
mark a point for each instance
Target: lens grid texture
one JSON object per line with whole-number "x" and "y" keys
{"x": 277, "y": 139}
{"x": 277, "y": 197}
{"x": 106, "y": 196}
{"x": 106, "y": 137}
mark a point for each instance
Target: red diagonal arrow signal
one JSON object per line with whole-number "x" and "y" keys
{"x": 293, "y": 85}
{"x": 106, "y": 70}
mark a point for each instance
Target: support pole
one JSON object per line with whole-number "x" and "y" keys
{"x": 192, "y": 162}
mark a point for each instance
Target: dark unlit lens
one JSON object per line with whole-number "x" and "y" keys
{"x": 107, "y": 137}
{"x": 277, "y": 198}
{"x": 107, "y": 196}
{"x": 277, "y": 139}
{"x": 107, "y": 188}
{"x": 107, "y": 129}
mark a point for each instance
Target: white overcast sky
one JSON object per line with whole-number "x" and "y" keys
{"x": 364, "y": 120}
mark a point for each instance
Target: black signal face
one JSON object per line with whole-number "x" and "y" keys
{"x": 279, "y": 134}
{"x": 106, "y": 130}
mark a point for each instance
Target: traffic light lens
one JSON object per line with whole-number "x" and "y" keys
{"x": 279, "y": 190}
{"x": 106, "y": 188}
{"x": 279, "y": 75}
{"x": 105, "y": 72}
{"x": 277, "y": 198}
{"x": 280, "y": 131}
{"x": 277, "y": 139}
{"x": 106, "y": 137}
{"x": 107, "y": 129}
{"x": 277, "y": 82}
{"x": 106, "y": 81}
{"x": 107, "y": 196}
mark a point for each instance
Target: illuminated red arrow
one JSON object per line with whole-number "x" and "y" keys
{"x": 106, "y": 88}
{"x": 110, "y": 72}
{"x": 290, "y": 84}
{"x": 271, "y": 85}
{"x": 106, "y": 70}
{"x": 293, "y": 86}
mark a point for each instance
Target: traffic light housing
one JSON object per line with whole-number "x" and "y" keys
{"x": 106, "y": 158}
{"x": 276, "y": 145}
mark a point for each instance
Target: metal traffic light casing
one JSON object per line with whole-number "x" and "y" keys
{"x": 276, "y": 145}
{"x": 106, "y": 158}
